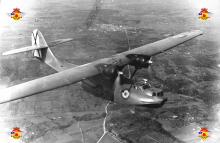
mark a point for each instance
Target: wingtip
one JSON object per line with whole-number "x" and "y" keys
{"x": 5, "y": 54}
{"x": 199, "y": 32}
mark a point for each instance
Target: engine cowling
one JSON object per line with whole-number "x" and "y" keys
{"x": 139, "y": 61}
{"x": 108, "y": 70}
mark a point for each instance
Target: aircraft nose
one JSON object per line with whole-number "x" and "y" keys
{"x": 159, "y": 99}
{"x": 155, "y": 100}
{"x": 164, "y": 98}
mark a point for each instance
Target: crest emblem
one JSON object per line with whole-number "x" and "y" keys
{"x": 16, "y": 14}
{"x": 204, "y": 134}
{"x": 204, "y": 14}
{"x": 16, "y": 133}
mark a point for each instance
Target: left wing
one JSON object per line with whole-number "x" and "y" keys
{"x": 79, "y": 73}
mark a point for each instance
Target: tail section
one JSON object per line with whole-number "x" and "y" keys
{"x": 38, "y": 41}
{"x": 44, "y": 54}
{"x": 40, "y": 50}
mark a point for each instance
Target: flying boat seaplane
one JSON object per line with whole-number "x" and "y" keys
{"x": 102, "y": 76}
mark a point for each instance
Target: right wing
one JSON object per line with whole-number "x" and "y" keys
{"x": 46, "y": 83}
{"x": 82, "y": 72}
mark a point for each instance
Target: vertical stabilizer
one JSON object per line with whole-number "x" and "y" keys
{"x": 44, "y": 54}
{"x": 40, "y": 50}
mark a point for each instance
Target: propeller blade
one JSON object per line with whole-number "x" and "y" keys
{"x": 129, "y": 72}
{"x": 150, "y": 72}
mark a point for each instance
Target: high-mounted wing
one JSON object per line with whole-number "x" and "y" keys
{"x": 79, "y": 73}
{"x": 165, "y": 44}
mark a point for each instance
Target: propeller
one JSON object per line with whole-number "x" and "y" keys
{"x": 149, "y": 69}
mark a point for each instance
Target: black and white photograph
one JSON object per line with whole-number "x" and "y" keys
{"x": 109, "y": 71}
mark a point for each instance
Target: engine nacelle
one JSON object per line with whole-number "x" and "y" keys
{"x": 139, "y": 61}
{"x": 108, "y": 70}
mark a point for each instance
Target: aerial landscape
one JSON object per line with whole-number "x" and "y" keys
{"x": 188, "y": 73}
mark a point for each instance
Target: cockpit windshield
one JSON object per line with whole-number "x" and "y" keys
{"x": 143, "y": 83}
{"x": 146, "y": 86}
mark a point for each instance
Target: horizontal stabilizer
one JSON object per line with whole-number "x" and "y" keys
{"x": 34, "y": 47}
{"x": 60, "y": 41}
{"x": 40, "y": 50}
{"x": 24, "y": 49}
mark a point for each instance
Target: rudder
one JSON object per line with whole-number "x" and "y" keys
{"x": 38, "y": 40}
{"x": 44, "y": 54}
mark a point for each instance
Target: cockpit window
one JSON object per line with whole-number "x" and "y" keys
{"x": 160, "y": 94}
{"x": 146, "y": 86}
{"x": 143, "y": 84}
